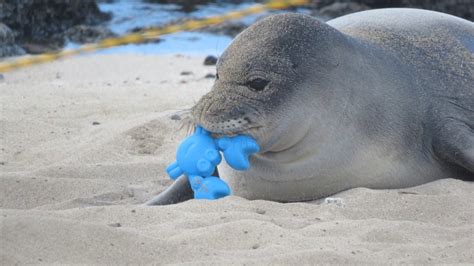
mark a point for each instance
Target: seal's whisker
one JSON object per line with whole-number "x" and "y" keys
{"x": 186, "y": 122}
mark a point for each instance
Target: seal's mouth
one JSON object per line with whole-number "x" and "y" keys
{"x": 221, "y": 116}
{"x": 250, "y": 131}
{"x": 230, "y": 127}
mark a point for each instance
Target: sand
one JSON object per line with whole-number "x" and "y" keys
{"x": 85, "y": 141}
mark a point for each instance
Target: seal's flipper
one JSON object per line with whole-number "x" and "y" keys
{"x": 455, "y": 143}
{"x": 178, "y": 192}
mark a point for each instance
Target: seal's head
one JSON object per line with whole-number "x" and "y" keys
{"x": 257, "y": 77}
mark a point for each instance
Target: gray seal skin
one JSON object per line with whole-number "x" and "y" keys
{"x": 379, "y": 99}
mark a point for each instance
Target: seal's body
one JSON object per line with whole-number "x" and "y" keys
{"x": 378, "y": 99}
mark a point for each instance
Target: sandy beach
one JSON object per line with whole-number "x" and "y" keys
{"x": 85, "y": 142}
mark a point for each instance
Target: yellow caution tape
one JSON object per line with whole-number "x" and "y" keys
{"x": 148, "y": 34}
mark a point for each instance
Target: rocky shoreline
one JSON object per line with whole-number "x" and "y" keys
{"x": 36, "y": 27}
{"x": 29, "y": 26}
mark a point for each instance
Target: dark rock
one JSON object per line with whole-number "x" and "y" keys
{"x": 175, "y": 117}
{"x": 115, "y": 225}
{"x": 210, "y": 60}
{"x": 95, "y": 123}
{"x": 137, "y": 29}
{"x": 210, "y": 76}
{"x": 88, "y": 34}
{"x": 186, "y": 73}
{"x": 190, "y": 5}
{"x": 7, "y": 42}
{"x": 141, "y": 29}
{"x": 341, "y": 9}
{"x": 228, "y": 28}
{"x": 42, "y": 47}
{"x": 37, "y": 23}
{"x": 185, "y": 5}
{"x": 318, "y": 4}
{"x": 460, "y": 8}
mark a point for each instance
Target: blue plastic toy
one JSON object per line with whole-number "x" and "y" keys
{"x": 198, "y": 156}
{"x": 237, "y": 150}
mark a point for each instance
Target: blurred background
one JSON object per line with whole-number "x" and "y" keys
{"x": 39, "y": 26}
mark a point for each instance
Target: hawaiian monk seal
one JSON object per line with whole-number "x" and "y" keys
{"x": 378, "y": 99}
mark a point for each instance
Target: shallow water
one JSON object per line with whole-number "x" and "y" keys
{"x": 128, "y": 15}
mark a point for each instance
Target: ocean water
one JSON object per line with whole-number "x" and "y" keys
{"x": 128, "y": 15}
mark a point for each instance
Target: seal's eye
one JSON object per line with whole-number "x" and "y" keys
{"x": 258, "y": 84}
